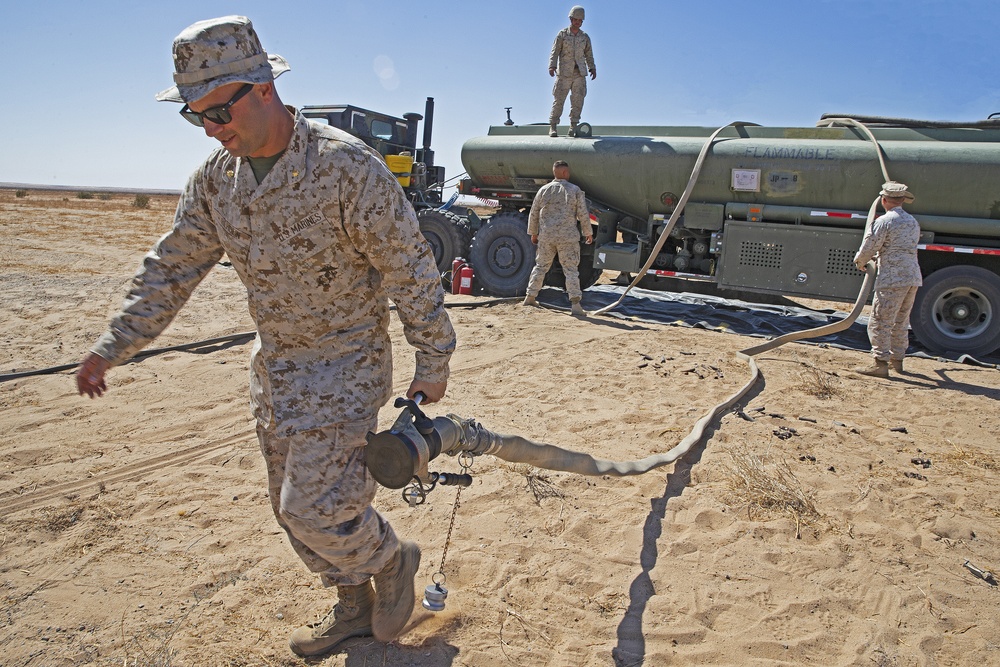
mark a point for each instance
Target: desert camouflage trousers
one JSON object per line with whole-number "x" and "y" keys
{"x": 568, "y": 248}
{"x": 321, "y": 493}
{"x": 576, "y": 88}
{"x": 887, "y": 326}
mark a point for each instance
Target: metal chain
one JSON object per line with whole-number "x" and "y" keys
{"x": 451, "y": 525}
{"x": 466, "y": 464}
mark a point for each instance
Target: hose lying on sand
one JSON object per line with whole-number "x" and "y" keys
{"x": 469, "y": 436}
{"x": 465, "y": 435}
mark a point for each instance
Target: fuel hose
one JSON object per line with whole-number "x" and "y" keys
{"x": 516, "y": 449}
{"x": 469, "y": 436}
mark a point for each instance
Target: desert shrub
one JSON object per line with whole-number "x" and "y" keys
{"x": 104, "y": 196}
{"x": 141, "y": 201}
{"x": 20, "y": 193}
{"x": 770, "y": 488}
{"x": 84, "y": 195}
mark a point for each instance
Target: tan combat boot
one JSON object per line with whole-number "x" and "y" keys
{"x": 572, "y": 131}
{"x": 552, "y": 130}
{"x": 529, "y": 301}
{"x": 576, "y": 308}
{"x": 394, "y": 593}
{"x": 896, "y": 365}
{"x": 878, "y": 369}
{"x": 352, "y": 617}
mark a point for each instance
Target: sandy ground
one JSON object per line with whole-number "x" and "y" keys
{"x": 827, "y": 524}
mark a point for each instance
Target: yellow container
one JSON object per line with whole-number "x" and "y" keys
{"x": 400, "y": 166}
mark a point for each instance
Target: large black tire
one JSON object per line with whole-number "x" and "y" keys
{"x": 502, "y": 255}
{"x": 446, "y": 240}
{"x": 958, "y": 310}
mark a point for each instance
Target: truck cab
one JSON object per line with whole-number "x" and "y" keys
{"x": 395, "y": 139}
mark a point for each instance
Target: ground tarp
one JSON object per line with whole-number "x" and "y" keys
{"x": 731, "y": 316}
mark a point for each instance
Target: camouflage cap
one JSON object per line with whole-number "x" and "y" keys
{"x": 896, "y": 190}
{"x": 212, "y": 53}
{"x": 576, "y": 12}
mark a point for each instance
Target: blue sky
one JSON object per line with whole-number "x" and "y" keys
{"x": 80, "y": 76}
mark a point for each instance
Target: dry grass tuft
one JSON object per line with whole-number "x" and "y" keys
{"x": 820, "y": 383}
{"x": 980, "y": 459}
{"x": 770, "y": 489}
{"x": 542, "y": 487}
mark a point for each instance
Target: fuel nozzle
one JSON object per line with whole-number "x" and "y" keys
{"x": 398, "y": 455}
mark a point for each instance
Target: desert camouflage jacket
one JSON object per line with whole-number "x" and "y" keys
{"x": 321, "y": 245}
{"x": 559, "y": 208}
{"x": 893, "y": 241}
{"x": 569, "y": 50}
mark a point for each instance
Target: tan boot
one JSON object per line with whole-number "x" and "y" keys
{"x": 576, "y": 308}
{"x": 529, "y": 301}
{"x": 572, "y": 131}
{"x": 878, "y": 369}
{"x": 896, "y": 365}
{"x": 394, "y": 593}
{"x": 552, "y": 130}
{"x": 352, "y": 617}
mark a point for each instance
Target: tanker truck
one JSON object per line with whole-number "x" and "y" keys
{"x": 775, "y": 210}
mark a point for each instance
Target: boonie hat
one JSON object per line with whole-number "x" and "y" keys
{"x": 896, "y": 190}
{"x": 212, "y": 53}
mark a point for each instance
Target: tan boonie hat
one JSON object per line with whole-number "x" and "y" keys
{"x": 212, "y": 53}
{"x": 895, "y": 190}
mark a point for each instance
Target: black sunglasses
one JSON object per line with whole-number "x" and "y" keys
{"x": 219, "y": 115}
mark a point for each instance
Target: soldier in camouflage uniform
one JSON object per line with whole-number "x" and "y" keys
{"x": 322, "y": 236}
{"x": 892, "y": 242}
{"x": 571, "y": 58}
{"x": 558, "y": 218}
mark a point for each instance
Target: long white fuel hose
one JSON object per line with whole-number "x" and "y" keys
{"x": 693, "y": 179}
{"x": 678, "y": 209}
{"x": 516, "y": 449}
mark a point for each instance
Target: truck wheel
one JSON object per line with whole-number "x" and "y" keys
{"x": 502, "y": 255}
{"x": 445, "y": 240}
{"x": 958, "y": 310}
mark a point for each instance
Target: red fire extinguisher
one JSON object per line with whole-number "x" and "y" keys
{"x": 461, "y": 277}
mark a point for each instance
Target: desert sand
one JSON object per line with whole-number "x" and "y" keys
{"x": 826, "y": 521}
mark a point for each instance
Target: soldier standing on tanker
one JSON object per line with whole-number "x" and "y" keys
{"x": 557, "y": 210}
{"x": 892, "y": 242}
{"x": 569, "y": 61}
{"x": 321, "y": 234}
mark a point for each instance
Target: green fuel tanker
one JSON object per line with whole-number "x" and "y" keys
{"x": 778, "y": 210}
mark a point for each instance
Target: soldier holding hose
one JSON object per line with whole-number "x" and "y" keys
{"x": 892, "y": 242}
{"x": 322, "y": 237}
